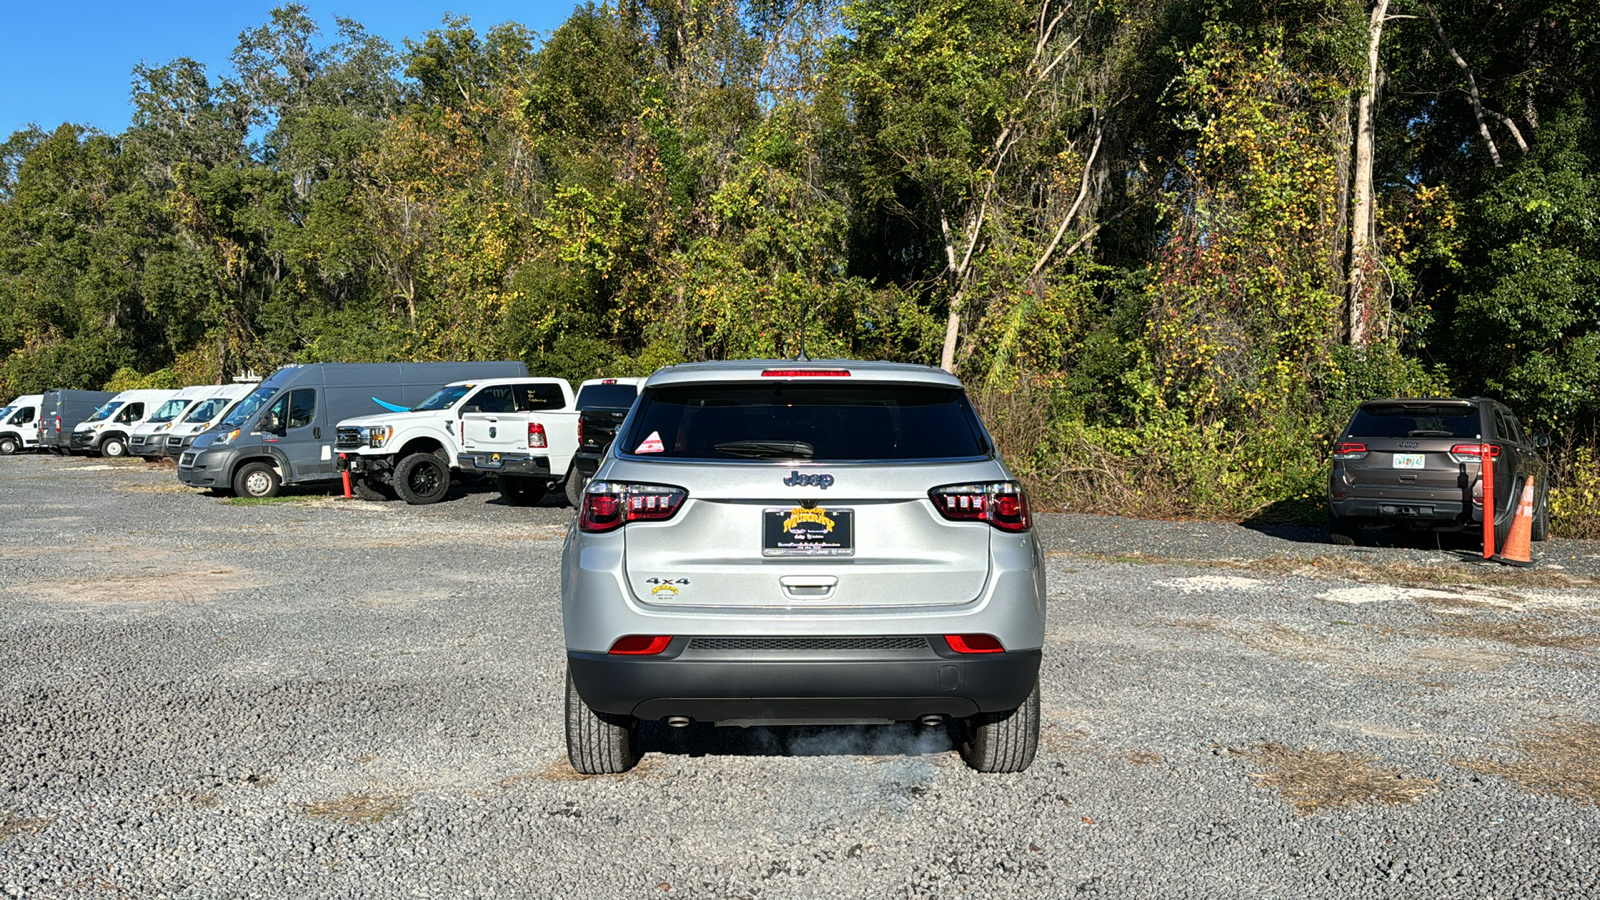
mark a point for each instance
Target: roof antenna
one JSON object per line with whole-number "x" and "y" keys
{"x": 805, "y": 313}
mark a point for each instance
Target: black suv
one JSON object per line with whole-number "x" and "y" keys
{"x": 1417, "y": 463}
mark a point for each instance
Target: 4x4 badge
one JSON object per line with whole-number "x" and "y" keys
{"x": 795, "y": 479}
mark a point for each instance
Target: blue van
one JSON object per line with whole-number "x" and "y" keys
{"x": 283, "y": 432}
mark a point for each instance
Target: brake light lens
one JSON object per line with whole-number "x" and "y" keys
{"x": 580, "y": 429}
{"x": 536, "y": 438}
{"x": 640, "y": 645}
{"x": 609, "y": 505}
{"x": 1473, "y": 452}
{"x": 1002, "y": 504}
{"x": 805, "y": 373}
{"x": 974, "y": 643}
{"x": 1349, "y": 450}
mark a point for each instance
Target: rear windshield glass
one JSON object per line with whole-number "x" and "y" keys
{"x": 1414, "y": 421}
{"x": 607, "y": 396}
{"x": 870, "y": 421}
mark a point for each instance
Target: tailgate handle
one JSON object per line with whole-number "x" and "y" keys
{"x": 809, "y": 587}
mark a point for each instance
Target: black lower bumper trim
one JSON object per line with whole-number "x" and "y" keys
{"x": 791, "y": 686}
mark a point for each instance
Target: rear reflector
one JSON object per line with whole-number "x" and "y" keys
{"x": 974, "y": 643}
{"x": 805, "y": 373}
{"x": 640, "y": 645}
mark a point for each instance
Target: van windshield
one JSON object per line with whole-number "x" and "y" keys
{"x": 205, "y": 410}
{"x": 247, "y": 407}
{"x": 168, "y": 411}
{"x": 105, "y": 412}
{"x": 444, "y": 399}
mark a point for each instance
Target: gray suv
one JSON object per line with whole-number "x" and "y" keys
{"x": 781, "y": 542}
{"x": 1417, "y": 463}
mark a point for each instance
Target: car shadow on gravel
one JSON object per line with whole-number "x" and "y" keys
{"x": 699, "y": 739}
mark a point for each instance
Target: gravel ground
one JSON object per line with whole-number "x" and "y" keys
{"x": 325, "y": 698}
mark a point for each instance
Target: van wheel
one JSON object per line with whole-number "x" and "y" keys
{"x": 8, "y": 444}
{"x": 256, "y": 479}
{"x": 1003, "y": 741}
{"x": 421, "y": 478}
{"x": 113, "y": 447}
{"x": 599, "y": 743}
{"x": 575, "y": 485}
{"x": 370, "y": 490}
{"x": 520, "y": 490}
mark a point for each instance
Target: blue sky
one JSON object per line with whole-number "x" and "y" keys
{"x": 63, "y": 61}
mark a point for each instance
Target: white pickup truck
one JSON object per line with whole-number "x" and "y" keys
{"x": 528, "y": 447}
{"x": 412, "y": 452}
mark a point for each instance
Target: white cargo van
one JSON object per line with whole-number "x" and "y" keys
{"x": 106, "y": 432}
{"x": 19, "y": 424}
{"x": 149, "y": 440}
{"x": 205, "y": 413}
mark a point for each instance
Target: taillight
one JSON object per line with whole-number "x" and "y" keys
{"x": 1002, "y": 504}
{"x": 609, "y": 505}
{"x": 580, "y": 429}
{"x": 1349, "y": 450}
{"x": 805, "y": 373}
{"x": 536, "y": 439}
{"x": 1473, "y": 452}
{"x": 974, "y": 643}
{"x": 640, "y": 645}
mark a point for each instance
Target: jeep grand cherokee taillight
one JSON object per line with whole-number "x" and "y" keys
{"x": 609, "y": 505}
{"x": 1000, "y": 503}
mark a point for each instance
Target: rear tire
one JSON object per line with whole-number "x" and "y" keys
{"x": 1003, "y": 741}
{"x": 421, "y": 478}
{"x": 256, "y": 480}
{"x": 599, "y": 743}
{"x": 1343, "y": 531}
{"x": 574, "y": 486}
{"x": 520, "y": 490}
{"x": 370, "y": 490}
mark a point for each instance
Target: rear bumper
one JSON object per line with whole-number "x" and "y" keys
{"x": 505, "y": 464}
{"x": 787, "y": 685}
{"x": 586, "y": 464}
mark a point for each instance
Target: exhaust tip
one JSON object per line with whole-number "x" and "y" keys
{"x": 932, "y": 721}
{"x": 678, "y": 721}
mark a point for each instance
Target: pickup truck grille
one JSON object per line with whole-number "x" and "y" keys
{"x": 348, "y": 438}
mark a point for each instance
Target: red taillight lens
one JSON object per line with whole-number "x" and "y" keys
{"x": 805, "y": 373}
{"x": 974, "y": 643}
{"x": 536, "y": 438}
{"x": 609, "y": 505}
{"x": 580, "y": 429}
{"x": 1473, "y": 452}
{"x": 640, "y": 645}
{"x": 1002, "y": 504}
{"x": 1349, "y": 450}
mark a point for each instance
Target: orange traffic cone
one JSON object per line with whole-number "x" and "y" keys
{"x": 1517, "y": 550}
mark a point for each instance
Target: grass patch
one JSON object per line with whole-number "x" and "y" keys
{"x": 265, "y": 501}
{"x": 11, "y": 826}
{"x": 1561, "y": 760}
{"x": 357, "y": 809}
{"x": 1313, "y": 780}
{"x": 1517, "y": 634}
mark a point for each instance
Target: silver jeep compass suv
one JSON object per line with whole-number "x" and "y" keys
{"x": 780, "y": 542}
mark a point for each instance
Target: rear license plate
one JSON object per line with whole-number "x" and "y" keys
{"x": 797, "y": 531}
{"x": 1408, "y": 460}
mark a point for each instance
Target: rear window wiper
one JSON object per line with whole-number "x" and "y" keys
{"x": 768, "y": 449}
